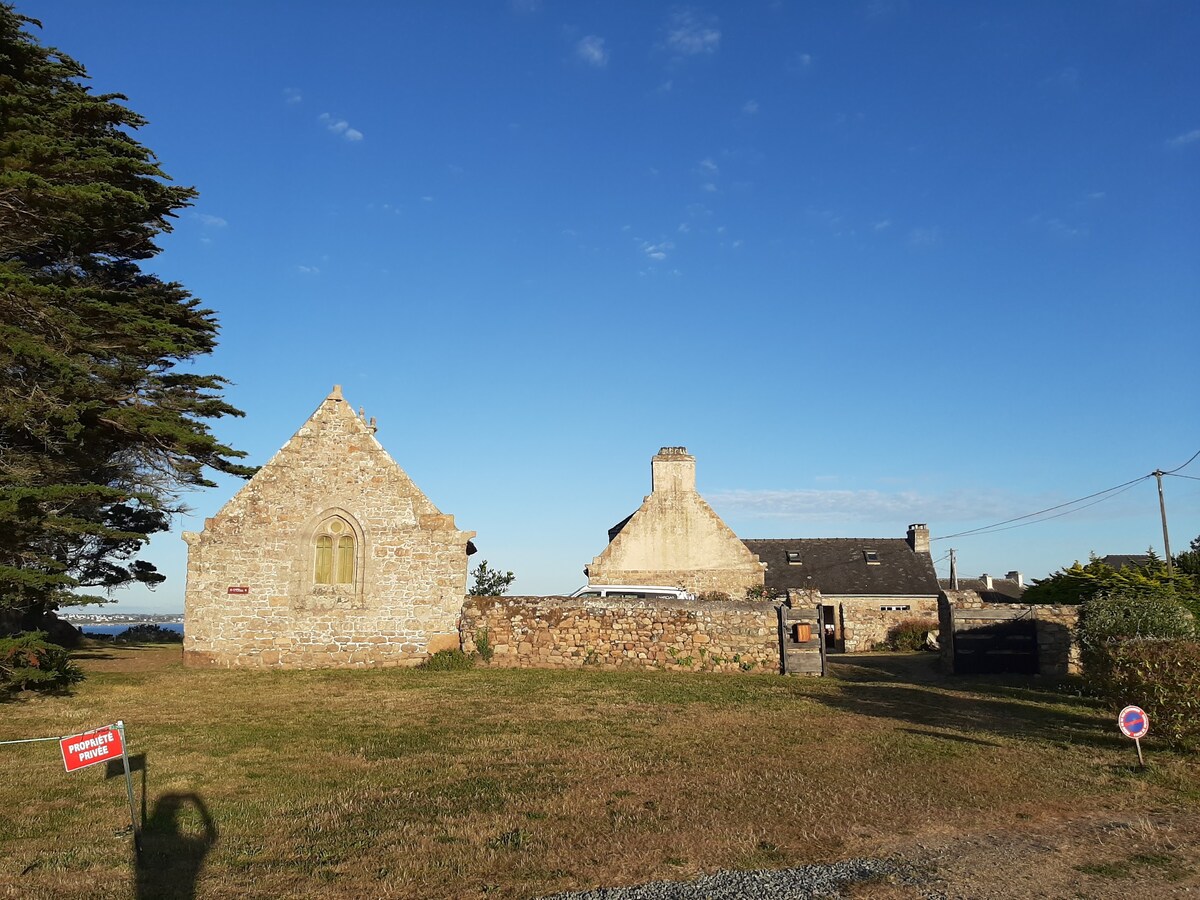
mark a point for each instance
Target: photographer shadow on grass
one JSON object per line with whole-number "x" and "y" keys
{"x": 176, "y": 838}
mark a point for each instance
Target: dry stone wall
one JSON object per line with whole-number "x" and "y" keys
{"x": 566, "y": 632}
{"x": 865, "y": 621}
{"x": 1058, "y": 649}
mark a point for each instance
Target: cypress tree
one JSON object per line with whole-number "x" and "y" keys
{"x": 100, "y": 431}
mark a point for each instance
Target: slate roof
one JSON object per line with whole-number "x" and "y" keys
{"x": 838, "y": 566}
{"x": 1126, "y": 560}
{"x": 1004, "y": 590}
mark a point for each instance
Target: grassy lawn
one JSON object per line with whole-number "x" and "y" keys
{"x": 517, "y": 783}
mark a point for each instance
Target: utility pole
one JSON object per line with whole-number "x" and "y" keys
{"x": 953, "y": 571}
{"x": 1162, "y": 507}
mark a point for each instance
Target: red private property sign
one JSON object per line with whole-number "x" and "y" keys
{"x": 82, "y": 750}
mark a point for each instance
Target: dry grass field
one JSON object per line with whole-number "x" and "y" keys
{"x": 520, "y": 783}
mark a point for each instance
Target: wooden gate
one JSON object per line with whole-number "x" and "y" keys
{"x": 994, "y": 641}
{"x": 802, "y": 640}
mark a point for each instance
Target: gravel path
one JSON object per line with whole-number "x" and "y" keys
{"x": 779, "y": 884}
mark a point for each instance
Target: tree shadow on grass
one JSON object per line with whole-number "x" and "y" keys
{"x": 1004, "y": 706}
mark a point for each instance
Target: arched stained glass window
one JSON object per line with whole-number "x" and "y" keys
{"x": 334, "y": 552}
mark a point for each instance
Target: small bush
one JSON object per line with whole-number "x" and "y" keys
{"x": 908, "y": 634}
{"x": 483, "y": 645}
{"x": 760, "y": 592}
{"x": 29, "y": 663}
{"x": 1121, "y": 615}
{"x": 449, "y": 661}
{"x": 149, "y": 633}
{"x": 713, "y": 597}
{"x": 1162, "y": 677}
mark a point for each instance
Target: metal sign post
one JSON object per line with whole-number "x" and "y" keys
{"x": 102, "y": 745}
{"x": 133, "y": 822}
{"x": 1134, "y": 723}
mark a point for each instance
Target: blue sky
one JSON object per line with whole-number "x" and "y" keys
{"x": 873, "y": 263}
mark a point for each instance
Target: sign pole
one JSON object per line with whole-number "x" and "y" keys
{"x": 1137, "y": 742}
{"x": 137, "y": 835}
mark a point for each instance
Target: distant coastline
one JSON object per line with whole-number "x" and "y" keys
{"x": 80, "y": 620}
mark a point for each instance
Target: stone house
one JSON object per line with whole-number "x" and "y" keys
{"x": 866, "y": 585}
{"x": 330, "y": 556}
{"x": 675, "y": 539}
{"x": 1008, "y": 589}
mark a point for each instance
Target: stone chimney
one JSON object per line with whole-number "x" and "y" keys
{"x": 1017, "y": 577}
{"x": 918, "y": 538}
{"x": 673, "y": 471}
{"x": 987, "y": 581}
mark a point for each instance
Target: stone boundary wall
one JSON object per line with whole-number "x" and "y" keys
{"x": 1058, "y": 649}
{"x": 571, "y": 632}
{"x": 865, "y": 624}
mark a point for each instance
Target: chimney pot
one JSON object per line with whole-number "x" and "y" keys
{"x": 987, "y": 581}
{"x": 918, "y": 538}
{"x": 673, "y": 471}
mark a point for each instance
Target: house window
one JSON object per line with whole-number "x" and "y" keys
{"x": 872, "y": 557}
{"x": 894, "y": 609}
{"x": 793, "y": 557}
{"x": 334, "y": 556}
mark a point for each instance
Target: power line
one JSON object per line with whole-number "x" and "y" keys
{"x": 1184, "y": 466}
{"x": 1040, "y": 512}
{"x": 1190, "y": 477}
{"x": 1068, "y": 512}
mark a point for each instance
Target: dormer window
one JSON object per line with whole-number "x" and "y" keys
{"x": 871, "y": 557}
{"x": 793, "y": 557}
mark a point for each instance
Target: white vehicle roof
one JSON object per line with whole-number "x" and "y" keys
{"x": 631, "y": 589}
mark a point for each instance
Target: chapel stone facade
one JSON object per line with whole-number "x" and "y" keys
{"x": 676, "y": 539}
{"x": 330, "y": 556}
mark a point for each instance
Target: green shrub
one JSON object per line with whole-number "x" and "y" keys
{"x": 449, "y": 661}
{"x": 29, "y": 663}
{"x": 713, "y": 597}
{"x": 149, "y": 633}
{"x": 1162, "y": 677}
{"x": 1123, "y": 614}
{"x": 760, "y": 592}
{"x": 483, "y": 645}
{"x": 908, "y": 634}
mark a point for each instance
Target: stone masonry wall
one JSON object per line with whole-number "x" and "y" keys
{"x": 251, "y": 599}
{"x": 564, "y": 632}
{"x": 1058, "y": 650}
{"x": 864, "y": 623}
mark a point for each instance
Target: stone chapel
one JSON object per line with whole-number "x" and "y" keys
{"x": 330, "y": 556}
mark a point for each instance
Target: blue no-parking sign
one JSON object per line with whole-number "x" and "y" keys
{"x": 1134, "y": 722}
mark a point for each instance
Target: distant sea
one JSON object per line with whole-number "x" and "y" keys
{"x": 117, "y": 629}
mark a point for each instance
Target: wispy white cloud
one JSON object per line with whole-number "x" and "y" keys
{"x": 592, "y": 51}
{"x": 1065, "y": 81}
{"x": 1056, "y": 227}
{"x": 308, "y": 270}
{"x": 882, "y": 225}
{"x": 799, "y": 62}
{"x": 657, "y": 251}
{"x": 209, "y": 221}
{"x": 880, "y": 10}
{"x": 924, "y": 237}
{"x": 867, "y": 505}
{"x": 292, "y": 96}
{"x": 340, "y": 126}
{"x": 1182, "y": 140}
{"x": 750, "y": 107}
{"x": 690, "y": 33}
{"x": 708, "y": 187}
{"x": 1100, "y": 195}
{"x": 708, "y": 167}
